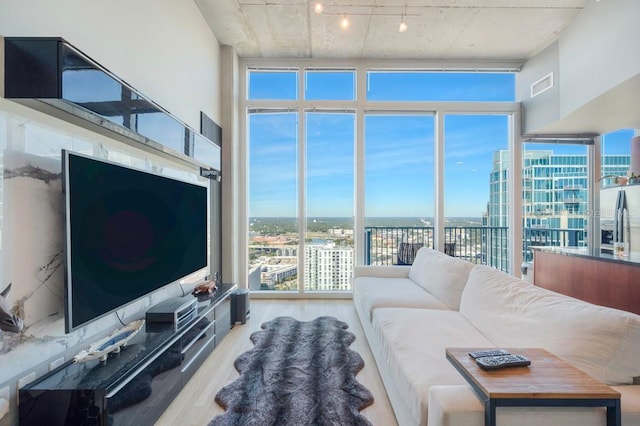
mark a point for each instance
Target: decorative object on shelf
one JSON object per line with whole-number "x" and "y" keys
{"x": 634, "y": 179}
{"x": 112, "y": 343}
{"x": 8, "y": 321}
{"x": 621, "y": 180}
{"x": 320, "y": 385}
{"x": 205, "y": 290}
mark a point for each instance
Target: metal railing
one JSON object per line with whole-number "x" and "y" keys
{"x": 553, "y": 237}
{"x": 487, "y": 245}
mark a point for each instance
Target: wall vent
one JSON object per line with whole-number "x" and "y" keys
{"x": 542, "y": 85}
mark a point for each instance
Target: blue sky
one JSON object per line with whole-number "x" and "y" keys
{"x": 398, "y": 149}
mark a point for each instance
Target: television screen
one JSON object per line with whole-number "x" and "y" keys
{"x": 128, "y": 233}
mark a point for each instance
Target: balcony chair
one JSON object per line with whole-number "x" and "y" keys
{"x": 407, "y": 253}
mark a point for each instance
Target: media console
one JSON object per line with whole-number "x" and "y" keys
{"x": 134, "y": 386}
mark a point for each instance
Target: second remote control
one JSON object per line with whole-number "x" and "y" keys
{"x": 490, "y": 352}
{"x": 502, "y": 361}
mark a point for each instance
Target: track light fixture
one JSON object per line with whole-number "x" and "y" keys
{"x": 344, "y": 22}
{"x": 319, "y": 9}
{"x": 403, "y": 26}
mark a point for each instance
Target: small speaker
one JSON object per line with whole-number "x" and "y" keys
{"x": 240, "y": 306}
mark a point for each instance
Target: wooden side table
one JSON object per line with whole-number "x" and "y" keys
{"x": 547, "y": 382}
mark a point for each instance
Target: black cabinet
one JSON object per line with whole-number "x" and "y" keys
{"x": 56, "y": 73}
{"x": 134, "y": 386}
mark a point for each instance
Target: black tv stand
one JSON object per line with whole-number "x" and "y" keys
{"x": 134, "y": 386}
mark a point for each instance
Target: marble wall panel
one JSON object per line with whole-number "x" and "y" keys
{"x": 32, "y": 237}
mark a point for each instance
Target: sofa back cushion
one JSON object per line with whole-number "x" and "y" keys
{"x": 441, "y": 275}
{"x": 603, "y": 342}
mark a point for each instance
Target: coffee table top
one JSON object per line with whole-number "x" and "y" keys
{"x": 548, "y": 377}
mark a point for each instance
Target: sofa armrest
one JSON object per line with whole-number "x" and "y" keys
{"x": 380, "y": 271}
{"x": 454, "y": 405}
{"x": 630, "y": 402}
{"x": 458, "y": 405}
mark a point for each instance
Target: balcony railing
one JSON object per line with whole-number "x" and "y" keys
{"x": 551, "y": 237}
{"x": 487, "y": 245}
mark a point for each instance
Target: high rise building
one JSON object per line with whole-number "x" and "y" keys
{"x": 327, "y": 267}
{"x": 554, "y": 195}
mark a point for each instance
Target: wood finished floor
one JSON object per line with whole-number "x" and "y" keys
{"x": 195, "y": 405}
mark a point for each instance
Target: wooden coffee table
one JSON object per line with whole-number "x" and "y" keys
{"x": 547, "y": 382}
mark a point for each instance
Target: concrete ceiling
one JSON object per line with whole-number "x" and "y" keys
{"x": 478, "y": 30}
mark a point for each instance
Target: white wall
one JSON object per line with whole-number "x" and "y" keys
{"x": 163, "y": 48}
{"x": 599, "y": 51}
{"x": 545, "y": 107}
{"x": 596, "y": 71}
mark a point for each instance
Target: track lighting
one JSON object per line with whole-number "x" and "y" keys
{"x": 403, "y": 26}
{"x": 344, "y": 22}
{"x": 319, "y": 9}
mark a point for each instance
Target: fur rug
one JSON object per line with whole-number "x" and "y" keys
{"x": 298, "y": 373}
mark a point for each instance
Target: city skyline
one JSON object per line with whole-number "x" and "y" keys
{"x": 398, "y": 149}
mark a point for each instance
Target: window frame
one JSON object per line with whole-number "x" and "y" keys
{"x": 436, "y": 108}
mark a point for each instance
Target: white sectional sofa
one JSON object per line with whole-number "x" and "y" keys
{"x": 410, "y": 314}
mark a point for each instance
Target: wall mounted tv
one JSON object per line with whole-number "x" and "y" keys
{"x": 128, "y": 233}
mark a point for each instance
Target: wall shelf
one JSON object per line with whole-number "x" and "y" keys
{"x": 52, "y": 76}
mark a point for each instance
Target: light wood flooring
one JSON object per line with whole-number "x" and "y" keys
{"x": 195, "y": 405}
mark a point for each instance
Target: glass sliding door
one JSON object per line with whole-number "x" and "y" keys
{"x": 398, "y": 184}
{"x": 475, "y": 188}
{"x": 329, "y": 238}
{"x": 273, "y": 201}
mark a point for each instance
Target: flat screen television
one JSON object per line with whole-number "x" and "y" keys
{"x": 128, "y": 233}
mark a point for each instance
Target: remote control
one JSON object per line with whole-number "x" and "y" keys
{"x": 502, "y": 361}
{"x": 492, "y": 352}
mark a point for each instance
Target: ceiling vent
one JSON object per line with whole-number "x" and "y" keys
{"x": 542, "y": 85}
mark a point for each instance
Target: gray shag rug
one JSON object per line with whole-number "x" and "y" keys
{"x": 298, "y": 373}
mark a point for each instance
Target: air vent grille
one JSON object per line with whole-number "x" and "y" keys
{"x": 542, "y": 85}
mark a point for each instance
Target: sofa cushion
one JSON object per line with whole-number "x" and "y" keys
{"x": 603, "y": 342}
{"x": 441, "y": 275}
{"x": 413, "y": 343}
{"x": 381, "y": 271}
{"x": 370, "y": 293}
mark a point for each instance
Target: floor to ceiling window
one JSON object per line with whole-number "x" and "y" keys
{"x": 398, "y": 202}
{"x": 342, "y": 170}
{"x": 273, "y": 190}
{"x": 476, "y": 190}
{"x": 329, "y": 172}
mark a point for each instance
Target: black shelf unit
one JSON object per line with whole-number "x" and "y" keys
{"x": 53, "y": 76}
{"x": 134, "y": 386}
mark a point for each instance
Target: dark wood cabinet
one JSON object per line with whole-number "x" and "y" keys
{"x": 134, "y": 386}
{"x": 601, "y": 279}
